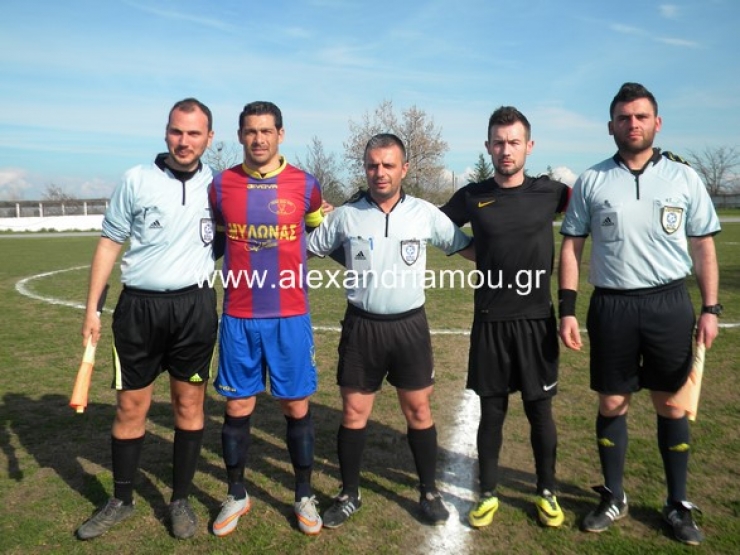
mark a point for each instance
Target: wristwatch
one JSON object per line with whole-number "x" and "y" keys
{"x": 715, "y": 309}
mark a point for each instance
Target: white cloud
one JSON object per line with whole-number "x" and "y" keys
{"x": 13, "y": 183}
{"x": 298, "y": 32}
{"x": 464, "y": 178}
{"x": 626, "y": 29}
{"x": 669, "y": 11}
{"x": 457, "y": 180}
{"x": 636, "y": 31}
{"x": 20, "y": 184}
{"x": 345, "y": 55}
{"x": 677, "y": 42}
{"x": 9, "y": 175}
{"x": 331, "y": 4}
{"x": 95, "y": 188}
{"x": 553, "y": 117}
{"x": 564, "y": 175}
{"x": 180, "y": 16}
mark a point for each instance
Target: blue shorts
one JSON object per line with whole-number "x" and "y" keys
{"x": 253, "y": 349}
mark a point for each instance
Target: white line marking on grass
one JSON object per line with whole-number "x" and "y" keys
{"x": 20, "y": 286}
{"x": 457, "y": 480}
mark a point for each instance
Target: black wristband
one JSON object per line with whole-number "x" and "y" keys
{"x": 567, "y": 302}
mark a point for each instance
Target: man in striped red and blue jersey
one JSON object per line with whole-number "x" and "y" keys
{"x": 265, "y": 207}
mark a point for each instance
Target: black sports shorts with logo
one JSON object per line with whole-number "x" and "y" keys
{"x": 641, "y": 338}
{"x": 373, "y": 346}
{"x": 154, "y": 332}
{"x": 514, "y": 355}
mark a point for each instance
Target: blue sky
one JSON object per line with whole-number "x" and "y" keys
{"x": 85, "y": 86}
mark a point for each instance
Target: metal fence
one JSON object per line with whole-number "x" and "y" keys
{"x": 91, "y": 207}
{"x": 46, "y": 208}
{"x": 726, "y": 201}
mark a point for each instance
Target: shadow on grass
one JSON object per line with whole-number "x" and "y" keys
{"x": 77, "y": 449}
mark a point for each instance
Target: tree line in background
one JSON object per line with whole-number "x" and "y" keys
{"x": 427, "y": 178}
{"x": 719, "y": 167}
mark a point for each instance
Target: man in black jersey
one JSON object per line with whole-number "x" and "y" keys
{"x": 514, "y": 339}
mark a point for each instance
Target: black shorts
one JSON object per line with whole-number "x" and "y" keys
{"x": 640, "y": 339}
{"x": 155, "y": 332}
{"x": 514, "y": 355}
{"x": 373, "y": 346}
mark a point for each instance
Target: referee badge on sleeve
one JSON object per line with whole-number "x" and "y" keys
{"x": 207, "y": 230}
{"x": 670, "y": 218}
{"x": 410, "y": 251}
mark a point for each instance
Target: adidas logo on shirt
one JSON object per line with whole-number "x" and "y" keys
{"x": 607, "y": 222}
{"x": 360, "y": 256}
{"x": 155, "y": 225}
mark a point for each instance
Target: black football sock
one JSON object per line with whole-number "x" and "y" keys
{"x": 423, "y": 445}
{"x": 300, "y": 440}
{"x": 489, "y": 440}
{"x": 611, "y": 437}
{"x": 185, "y": 455}
{"x": 675, "y": 445}
{"x": 544, "y": 439}
{"x": 126, "y": 454}
{"x": 350, "y": 446}
{"x": 235, "y": 439}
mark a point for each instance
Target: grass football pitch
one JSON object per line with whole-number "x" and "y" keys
{"x": 55, "y": 464}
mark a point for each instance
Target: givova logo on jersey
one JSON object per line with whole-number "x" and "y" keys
{"x": 671, "y": 218}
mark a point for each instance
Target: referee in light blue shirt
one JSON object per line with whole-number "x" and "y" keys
{"x": 642, "y": 209}
{"x": 163, "y": 322}
{"x": 385, "y": 334}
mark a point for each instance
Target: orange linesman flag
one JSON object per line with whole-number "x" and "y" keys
{"x": 78, "y": 401}
{"x": 687, "y": 398}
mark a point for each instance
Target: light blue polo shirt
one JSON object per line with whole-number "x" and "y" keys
{"x": 639, "y": 224}
{"x": 387, "y": 252}
{"x": 168, "y": 224}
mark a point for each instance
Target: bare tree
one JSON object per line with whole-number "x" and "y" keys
{"x": 57, "y": 193}
{"x": 383, "y": 120}
{"x": 425, "y": 148}
{"x": 717, "y": 168}
{"x": 325, "y": 168}
{"x": 221, "y": 155}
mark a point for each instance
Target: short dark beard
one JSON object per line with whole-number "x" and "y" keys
{"x": 644, "y": 145}
{"x": 511, "y": 171}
